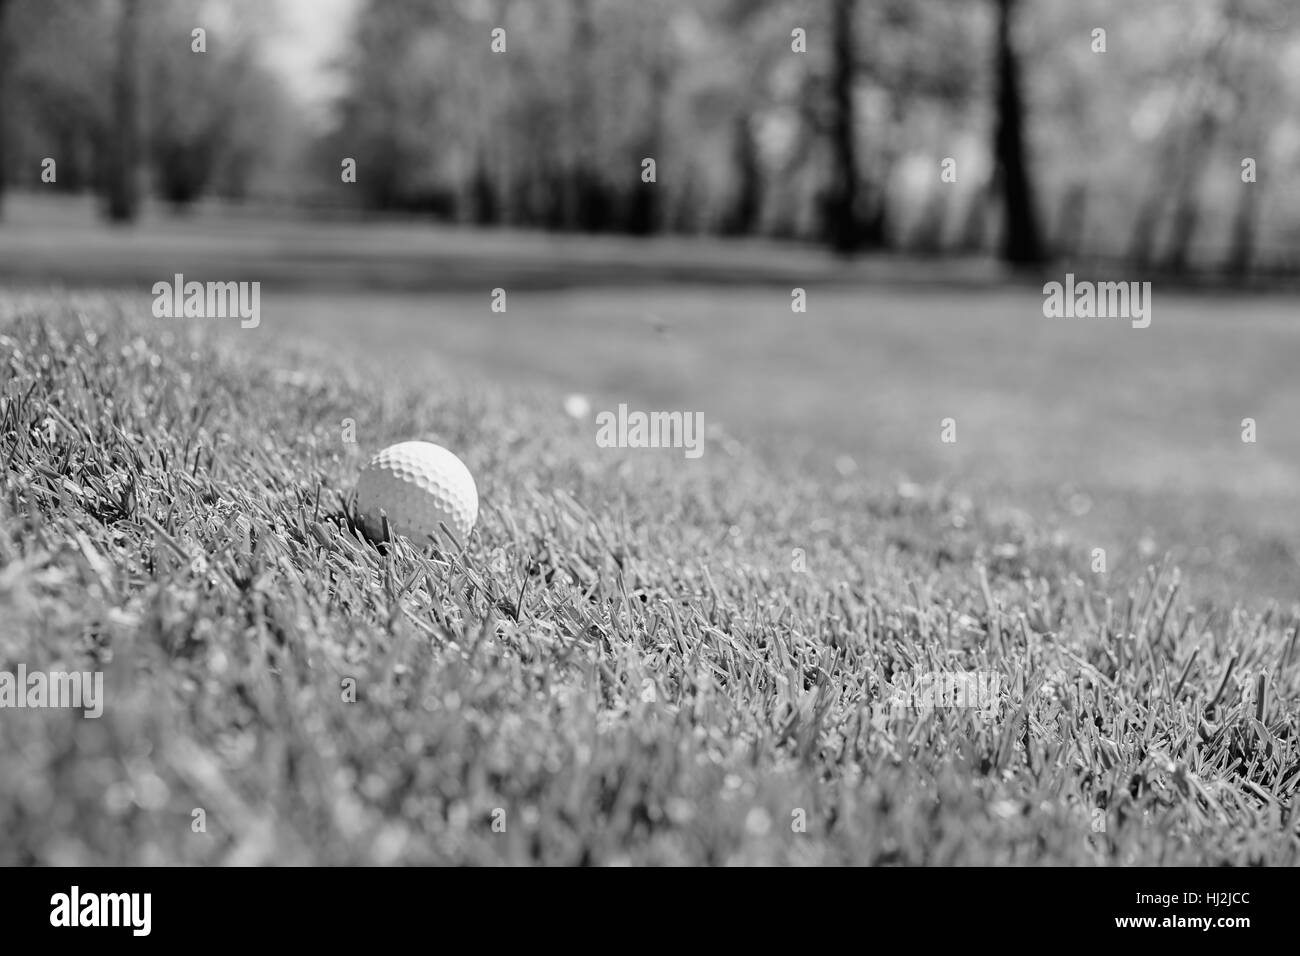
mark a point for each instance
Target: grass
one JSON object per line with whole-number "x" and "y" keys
{"x": 623, "y": 664}
{"x": 1117, "y": 438}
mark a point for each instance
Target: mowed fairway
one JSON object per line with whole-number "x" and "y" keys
{"x": 1127, "y": 439}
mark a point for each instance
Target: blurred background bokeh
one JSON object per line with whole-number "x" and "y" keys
{"x": 798, "y": 143}
{"x": 1127, "y": 154}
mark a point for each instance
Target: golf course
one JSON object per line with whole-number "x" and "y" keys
{"x": 637, "y": 657}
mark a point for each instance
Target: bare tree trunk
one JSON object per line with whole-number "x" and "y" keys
{"x": 1141, "y": 247}
{"x": 743, "y": 215}
{"x": 123, "y": 190}
{"x": 645, "y": 209}
{"x": 4, "y": 95}
{"x": 841, "y": 212}
{"x": 589, "y": 206}
{"x": 1021, "y": 242}
{"x": 974, "y": 229}
{"x": 1068, "y": 240}
{"x": 1186, "y": 218}
{"x": 1187, "y": 210}
{"x": 1242, "y": 256}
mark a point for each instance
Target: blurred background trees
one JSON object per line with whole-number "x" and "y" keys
{"x": 1134, "y": 153}
{"x": 113, "y": 92}
{"x": 6, "y": 57}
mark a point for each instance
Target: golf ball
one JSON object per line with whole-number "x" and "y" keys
{"x": 417, "y": 484}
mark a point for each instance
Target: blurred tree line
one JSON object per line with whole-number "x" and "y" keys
{"x": 1062, "y": 146}
{"x": 836, "y": 134}
{"x": 114, "y": 93}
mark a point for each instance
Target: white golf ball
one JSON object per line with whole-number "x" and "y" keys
{"x": 417, "y": 484}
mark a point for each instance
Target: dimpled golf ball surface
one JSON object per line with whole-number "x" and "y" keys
{"x": 417, "y": 484}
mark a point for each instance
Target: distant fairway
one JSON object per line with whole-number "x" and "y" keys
{"x": 1130, "y": 438}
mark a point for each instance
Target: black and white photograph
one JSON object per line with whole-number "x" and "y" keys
{"x": 651, "y": 433}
